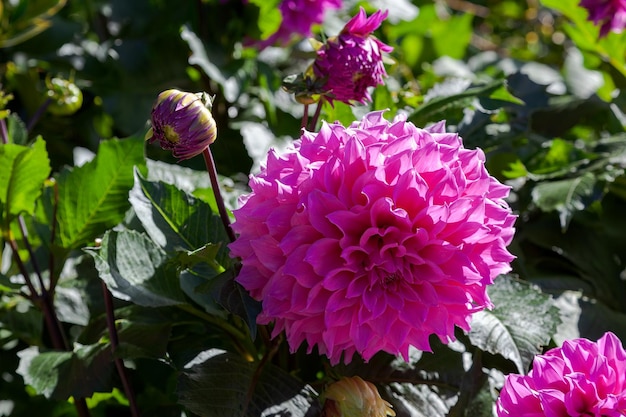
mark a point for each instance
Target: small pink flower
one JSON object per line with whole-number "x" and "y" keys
{"x": 581, "y": 378}
{"x": 372, "y": 237}
{"x": 352, "y": 62}
{"x": 298, "y": 16}
{"x": 610, "y": 14}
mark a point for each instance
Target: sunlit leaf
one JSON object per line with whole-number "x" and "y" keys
{"x": 60, "y": 375}
{"x": 523, "y": 321}
{"x": 24, "y": 170}
{"x": 94, "y": 197}
{"x": 135, "y": 269}
{"x": 566, "y": 196}
{"x": 176, "y": 220}
{"x": 222, "y": 384}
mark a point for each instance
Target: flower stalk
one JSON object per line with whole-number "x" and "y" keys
{"x": 221, "y": 207}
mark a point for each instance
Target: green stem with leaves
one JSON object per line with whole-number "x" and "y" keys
{"x": 42, "y": 298}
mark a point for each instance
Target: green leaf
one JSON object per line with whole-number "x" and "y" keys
{"x": 22, "y": 319}
{"x": 134, "y": 268}
{"x": 18, "y": 133}
{"x": 503, "y": 94}
{"x": 451, "y": 37}
{"x": 565, "y": 196}
{"x": 24, "y": 170}
{"x": 222, "y": 384}
{"x": 25, "y": 19}
{"x": 269, "y": 16}
{"x": 60, "y": 375}
{"x": 524, "y": 319}
{"x": 94, "y": 197}
{"x": 233, "y": 297}
{"x": 429, "y": 112}
{"x": 212, "y": 63}
{"x": 176, "y": 220}
{"x": 142, "y": 339}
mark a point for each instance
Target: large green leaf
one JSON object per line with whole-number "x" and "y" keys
{"x": 135, "y": 269}
{"x": 94, "y": 197}
{"x": 177, "y": 221}
{"x": 435, "y": 109}
{"x": 24, "y": 170}
{"x": 566, "y": 196}
{"x": 523, "y": 321}
{"x": 225, "y": 385}
{"x": 60, "y": 375}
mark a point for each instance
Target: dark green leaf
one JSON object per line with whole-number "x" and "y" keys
{"x": 142, "y": 339}
{"x": 565, "y": 196}
{"x": 206, "y": 58}
{"x": 176, "y": 220}
{"x": 60, "y": 375}
{"x": 427, "y": 112}
{"x": 94, "y": 197}
{"x": 523, "y": 320}
{"x": 134, "y": 268}
{"x": 16, "y": 129}
{"x": 233, "y": 297}
{"x": 22, "y": 319}
{"x": 224, "y": 385}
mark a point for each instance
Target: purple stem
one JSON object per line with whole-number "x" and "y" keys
{"x": 210, "y": 165}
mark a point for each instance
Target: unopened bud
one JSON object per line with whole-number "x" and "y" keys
{"x": 354, "y": 397}
{"x": 182, "y": 122}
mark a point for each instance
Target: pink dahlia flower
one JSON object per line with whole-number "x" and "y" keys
{"x": 298, "y": 17}
{"x": 610, "y": 14}
{"x": 352, "y": 62}
{"x": 581, "y": 378}
{"x": 372, "y": 237}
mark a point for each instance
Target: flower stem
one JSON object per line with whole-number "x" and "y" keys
{"x": 316, "y": 116}
{"x": 210, "y": 165}
{"x": 33, "y": 120}
{"x": 119, "y": 363}
{"x": 4, "y": 133}
{"x": 305, "y": 117}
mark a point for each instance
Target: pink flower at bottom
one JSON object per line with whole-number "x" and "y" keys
{"x": 372, "y": 237}
{"x": 581, "y": 378}
{"x": 610, "y": 14}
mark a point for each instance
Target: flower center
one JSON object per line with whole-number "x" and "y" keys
{"x": 170, "y": 134}
{"x": 389, "y": 279}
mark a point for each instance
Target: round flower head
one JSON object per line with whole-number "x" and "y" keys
{"x": 581, "y": 378}
{"x": 298, "y": 16}
{"x": 354, "y": 397}
{"x": 610, "y": 14}
{"x": 182, "y": 122}
{"x": 372, "y": 237}
{"x": 352, "y": 61}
